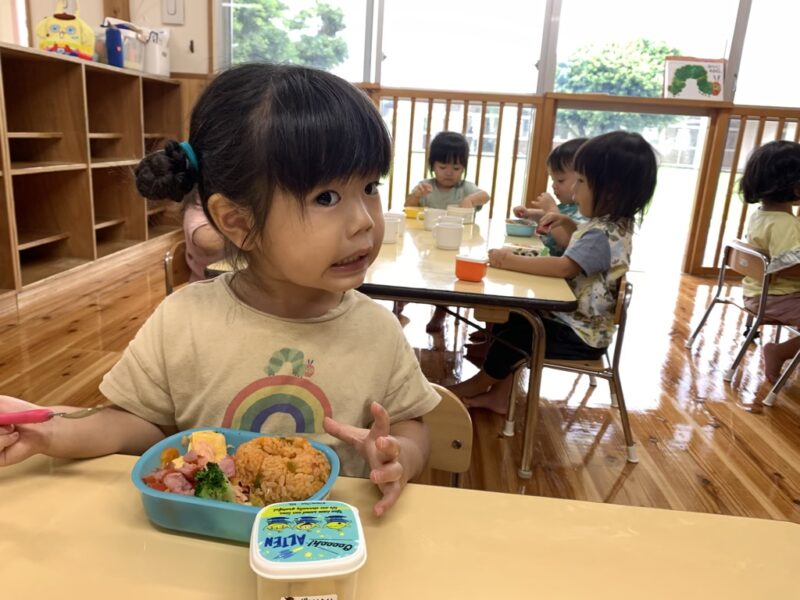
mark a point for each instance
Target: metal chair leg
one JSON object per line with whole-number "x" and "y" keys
{"x": 626, "y": 426}
{"x": 690, "y": 341}
{"x": 776, "y": 389}
{"x": 728, "y": 375}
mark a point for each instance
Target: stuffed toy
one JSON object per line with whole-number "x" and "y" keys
{"x": 66, "y": 33}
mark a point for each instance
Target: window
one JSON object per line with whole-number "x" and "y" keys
{"x": 462, "y": 45}
{"x": 323, "y": 34}
{"x": 618, "y": 46}
{"x": 765, "y": 74}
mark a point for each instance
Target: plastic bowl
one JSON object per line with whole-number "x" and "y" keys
{"x": 201, "y": 516}
{"x": 519, "y": 228}
{"x": 412, "y": 211}
{"x": 469, "y": 268}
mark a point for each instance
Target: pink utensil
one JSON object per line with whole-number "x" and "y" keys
{"x": 40, "y": 415}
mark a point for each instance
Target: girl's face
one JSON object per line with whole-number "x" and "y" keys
{"x": 447, "y": 174}
{"x": 583, "y": 195}
{"x": 563, "y": 184}
{"x": 316, "y": 253}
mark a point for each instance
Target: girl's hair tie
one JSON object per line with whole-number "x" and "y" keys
{"x": 190, "y": 155}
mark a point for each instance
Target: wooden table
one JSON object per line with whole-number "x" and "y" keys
{"x": 415, "y": 270}
{"x": 77, "y": 529}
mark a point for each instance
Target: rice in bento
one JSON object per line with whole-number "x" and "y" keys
{"x": 275, "y": 469}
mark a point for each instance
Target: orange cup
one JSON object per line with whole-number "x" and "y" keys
{"x": 469, "y": 268}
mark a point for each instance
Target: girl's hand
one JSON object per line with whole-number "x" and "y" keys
{"x": 466, "y": 203}
{"x": 423, "y": 188}
{"x": 553, "y": 219}
{"x": 18, "y": 442}
{"x": 381, "y": 450}
{"x": 500, "y": 257}
{"x": 545, "y": 202}
{"x": 521, "y": 212}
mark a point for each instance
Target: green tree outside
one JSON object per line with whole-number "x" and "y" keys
{"x": 635, "y": 68}
{"x": 262, "y": 31}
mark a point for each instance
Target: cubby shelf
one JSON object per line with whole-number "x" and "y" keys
{"x": 102, "y": 223}
{"x": 35, "y": 135}
{"x": 101, "y": 163}
{"x": 74, "y": 131}
{"x": 45, "y": 166}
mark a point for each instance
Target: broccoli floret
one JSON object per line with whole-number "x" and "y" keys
{"x": 211, "y": 483}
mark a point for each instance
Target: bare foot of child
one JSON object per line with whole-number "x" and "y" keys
{"x": 491, "y": 400}
{"x": 773, "y": 363}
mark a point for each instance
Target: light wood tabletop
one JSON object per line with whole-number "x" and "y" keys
{"x": 78, "y": 529}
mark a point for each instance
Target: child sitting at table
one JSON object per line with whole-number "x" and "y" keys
{"x": 772, "y": 177}
{"x": 204, "y": 244}
{"x": 616, "y": 180}
{"x": 562, "y": 171}
{"x": 447, "y": 161}
{"x": 287, "y": 162}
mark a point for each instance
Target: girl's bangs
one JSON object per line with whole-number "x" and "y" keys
{"x": 331, "y": 136}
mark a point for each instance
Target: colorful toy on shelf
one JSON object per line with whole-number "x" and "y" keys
{"x": 66, "y": 33}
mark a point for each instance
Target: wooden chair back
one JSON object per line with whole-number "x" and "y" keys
{"x": 176, "y": 269}
{"x": 450, "y": 429}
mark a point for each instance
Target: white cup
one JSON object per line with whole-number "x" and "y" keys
{"x": 451, "y": 219}
{"x": 448, "y": 235}
{"x": 401, "y": 219}
{"x": 430, "y": 215}
{"x": 468, "y": 214}
{"x": 391, "y": 231}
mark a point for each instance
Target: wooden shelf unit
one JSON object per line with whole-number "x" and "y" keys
{"x": 71, "y": 134}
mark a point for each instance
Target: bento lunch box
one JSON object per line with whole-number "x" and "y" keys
{"x": 201, "y": 516}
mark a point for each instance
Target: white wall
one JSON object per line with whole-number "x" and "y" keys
{"x": 147, "y": 13}
{"x": 195, "y": 28}
{"x": 7, "y": 27}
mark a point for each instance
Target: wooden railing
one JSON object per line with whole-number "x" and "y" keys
{"x": 732, "y": 131}
{"x": 719, "y": 214}
{"x": 499, "y": 127}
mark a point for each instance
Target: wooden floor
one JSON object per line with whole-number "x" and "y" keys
{"x": 704, "y": 445}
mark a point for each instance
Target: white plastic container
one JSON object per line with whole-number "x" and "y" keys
{"x": 310, "y": 549}
{"x": 156, "y": 52}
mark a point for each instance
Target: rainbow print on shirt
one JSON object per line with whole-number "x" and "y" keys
{"x": 287, "y": 395}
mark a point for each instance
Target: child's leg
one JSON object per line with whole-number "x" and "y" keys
{"x": 495, "y": 399}
{"x": 477, "y": 384}
{"x": 777, "y": 354}
{"x": 436, "y": 323}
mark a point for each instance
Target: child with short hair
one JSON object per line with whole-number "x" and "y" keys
{"x": 287, "y": 162}
{"x": 772, "y": 177}
{"x": 616, "y": 179}
{"x": 447, "y": 161}
{"x": 561, "y": 169}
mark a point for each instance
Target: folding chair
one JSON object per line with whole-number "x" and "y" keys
{"x": 176, "y": 269}
{"x": 606, "y": 368}
{"x": 746, "y": 260}
{"x": 450, "y": 429}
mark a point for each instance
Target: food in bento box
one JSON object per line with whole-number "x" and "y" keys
{"x": 263, "y": 470}
{"x": 273, "y": 469}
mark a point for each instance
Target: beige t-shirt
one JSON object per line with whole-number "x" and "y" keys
{"x": 204, "y": 358}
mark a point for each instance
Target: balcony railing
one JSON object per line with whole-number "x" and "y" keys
{"x": 512, "y": 134}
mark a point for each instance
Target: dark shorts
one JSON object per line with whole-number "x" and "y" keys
{"x": 511, "y": 343}
{"x": 780, "y": 309}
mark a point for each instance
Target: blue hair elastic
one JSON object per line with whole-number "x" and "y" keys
{"x": 187, "y": 148}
